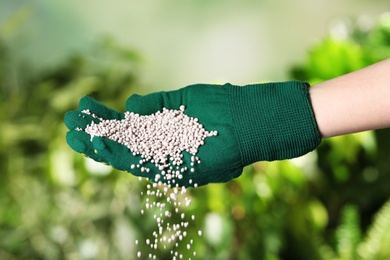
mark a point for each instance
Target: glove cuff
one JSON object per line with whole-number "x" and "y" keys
{"x": 273, "y": 121}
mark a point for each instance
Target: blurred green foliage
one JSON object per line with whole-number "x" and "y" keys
{"x": 55, "y": 204}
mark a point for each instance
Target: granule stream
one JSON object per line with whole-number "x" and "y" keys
{"x": 160, "y": 138}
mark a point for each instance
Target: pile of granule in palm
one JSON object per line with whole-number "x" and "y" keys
{"x": 161, "y": 139}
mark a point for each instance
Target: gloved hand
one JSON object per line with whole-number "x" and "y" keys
{"x": 260, "y": 122}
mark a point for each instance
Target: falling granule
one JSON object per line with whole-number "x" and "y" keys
{"x": 161, "y": 139}
{"x": 172, "y": 223}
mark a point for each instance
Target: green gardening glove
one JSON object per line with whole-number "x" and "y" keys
{"x": 260, "y": 122}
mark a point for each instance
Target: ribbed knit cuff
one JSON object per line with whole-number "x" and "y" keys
{"x": 273, "y": 121}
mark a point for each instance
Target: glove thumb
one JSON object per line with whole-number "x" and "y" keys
{"x": 149, "y": 104}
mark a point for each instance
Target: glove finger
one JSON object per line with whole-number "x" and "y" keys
{"x": 121, "y": 158}
{"x": 98, "y": 109}
{"x": 80, "y": 141}
{"x": 76, "y": 120}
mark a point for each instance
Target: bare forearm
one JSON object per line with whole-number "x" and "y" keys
{"x": 355, "y": 102}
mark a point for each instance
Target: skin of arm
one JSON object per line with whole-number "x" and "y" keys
{"x": 354, "y": 102}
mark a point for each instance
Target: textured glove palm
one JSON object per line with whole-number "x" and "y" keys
{"x": 272, "y": 121}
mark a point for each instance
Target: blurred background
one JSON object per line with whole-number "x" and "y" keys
{"x": 55, "y": 204}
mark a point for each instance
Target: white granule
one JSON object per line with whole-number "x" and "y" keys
{"x": 161, "y": 139}
{"x": 171, "y": 225}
